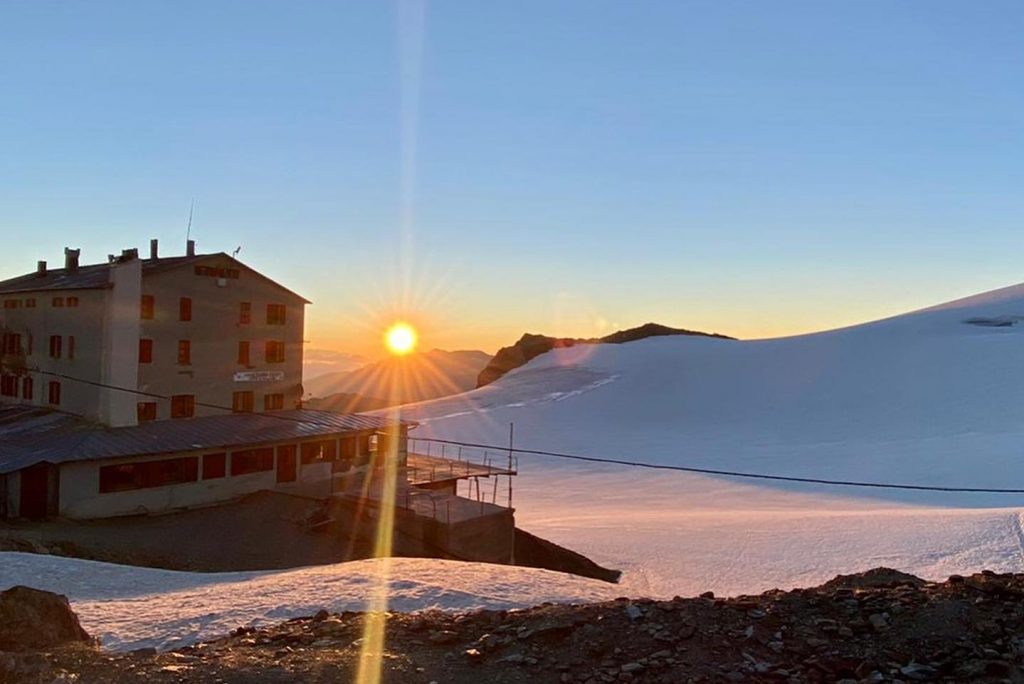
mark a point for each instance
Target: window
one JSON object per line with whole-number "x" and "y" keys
{"x": 57, "y": 302}
{"x": 30, "y": 303}
{"x": 214, "y": 465}
{"x": 184, "y": 352}
{"x": 12, "y": 303}
{"x": 185, "y": 309}
{"x": 71, "y": 346}
{"x": 275, "y": 314}
{"x": 147, "y": 307}
{"x": 217, "y": 272}
{"x": 145, "y": 351}
{"x": 273, "y": 351}
{"x": 183, "y": 406}
{"x": 245, "y": 313}
{"x": 27, "y": 389}
{"x": 241, "y": 402}
{"x": 273, "y": 402}
{"x": 316, "y": 452}
{"x": 9, "y": 385}
{"x": 11, "y": 343}
{"x": 128, "y": 476}
{"x": 55, "y": 346}
{"x": 252, "y": 461}
{"x": 72, "y": 301}
{"x": 146, "y": 411}
{"x": 53, "y": 393}
{"x": 243, "y": 352}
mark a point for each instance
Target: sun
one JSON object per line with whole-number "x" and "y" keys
{"x": 400, "y": 338}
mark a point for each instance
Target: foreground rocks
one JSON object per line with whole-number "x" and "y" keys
{"x": 34, "y": 619}
{"x": 880, "y": 626}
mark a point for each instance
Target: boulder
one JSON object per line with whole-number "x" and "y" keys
{"x": 34, "y": 619}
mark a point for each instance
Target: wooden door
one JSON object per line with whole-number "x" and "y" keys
{"x": 286, "y": 463}
{"x": 35, "y": 483}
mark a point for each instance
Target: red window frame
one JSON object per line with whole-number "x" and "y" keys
{"x": 185, "y": 309}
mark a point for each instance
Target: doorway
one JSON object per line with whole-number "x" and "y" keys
{"x": 286, "y": 463}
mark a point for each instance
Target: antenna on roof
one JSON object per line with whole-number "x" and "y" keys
{"x": 237, "y": 250}
{"x": 188, "y": 230}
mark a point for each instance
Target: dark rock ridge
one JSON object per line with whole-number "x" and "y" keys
{"x": 33, "y": 619}
{"x": 879, "y": 626}
{"x": 531, "y": 346}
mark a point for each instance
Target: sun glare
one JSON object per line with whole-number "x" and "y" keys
{"x": 400, "y": 338}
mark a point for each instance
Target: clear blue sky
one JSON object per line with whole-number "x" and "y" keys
{"x": 756, "y": 168}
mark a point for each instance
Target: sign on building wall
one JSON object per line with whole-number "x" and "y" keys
{"x": 259, "y": 376}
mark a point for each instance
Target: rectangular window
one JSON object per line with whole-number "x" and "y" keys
{"x": 71, "y": 346}
{"x": 241, "y": 402}
{"x": 27, "y": 388}
{"x": 214, "y": 465}
{"x": 128, "y": 476}
{"x": 245, "y": 313}
{"x": 12, "y": 303}
{"x": 273, "y": 351}
{"x": 147, "y": 307}
{"x": 55, "y": 346}
{"x": 243, "y": 352}
{"x": 53, "y": 393}
{"x": 30, "y": 303}
{"x": 183, "y": 406}
{"x": 252, "y": 461}
{"x": 317, "y": 452}
{"x": 11, "y": 343}
{"x": 184, "y": 352}
{"x": 57, "y": 302}
{"x": 275, "y": 314}
{"x": 185, "y": 309}
{"x": 72, "y": 301}
{"x": 273, "y": 402}
{"x": 145, "y": 350}
{"x": 9, "y": 385}
{"x": 146, "y": 411}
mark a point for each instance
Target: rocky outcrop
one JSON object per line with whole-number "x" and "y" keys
{"x": 34, "y": 619}
{"x": 531, "y": 346}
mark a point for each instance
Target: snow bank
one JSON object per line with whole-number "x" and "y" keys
{"x": 131, "y": 608}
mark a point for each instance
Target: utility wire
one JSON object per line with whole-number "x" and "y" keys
{"x": 592, "y": 459}
{"x": 727, "y": 473}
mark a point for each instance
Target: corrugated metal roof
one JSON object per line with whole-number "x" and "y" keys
{"x": 97, "y": 276}
{"x": 34, "y": 435}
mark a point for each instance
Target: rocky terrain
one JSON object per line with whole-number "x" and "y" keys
{"x": 530, "y": 346}
{"x": 878, "y": 626}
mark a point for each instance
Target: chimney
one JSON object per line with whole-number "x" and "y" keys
{"x": 129, "y": 254}
{"x": 190, "y": 248}
{"x": 154, "y": 249}
{"x": 71, "y": 259}
{"x": 40, "y": 269}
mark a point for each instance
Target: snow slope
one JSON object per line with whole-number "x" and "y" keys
{"x": 131, "y": 608}
{"x": 924, "y": 398}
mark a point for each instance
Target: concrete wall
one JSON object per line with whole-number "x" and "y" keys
{"x": 80, "y": 495}
{"x": 121, "y": 344}
{"x": 214, "y": 332}
{"x": 85, "y": 323}
{"x": 486, "y": 539}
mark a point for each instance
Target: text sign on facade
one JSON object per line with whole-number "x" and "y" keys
{"x": 259, "y": 376}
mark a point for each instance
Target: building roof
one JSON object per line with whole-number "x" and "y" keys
{"x": 97, "y": 276}
{"x": 30, "y": 435}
